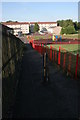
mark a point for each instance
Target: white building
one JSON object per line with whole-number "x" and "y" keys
{"x": 18, "y": 27}
{"x": 24, "y": 26}
{"x": 42, "y": 25}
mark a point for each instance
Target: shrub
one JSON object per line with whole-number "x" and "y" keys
{"x": 68, "y": 30}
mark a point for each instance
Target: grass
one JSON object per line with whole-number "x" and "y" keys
{"x": 71, "y": 36}
{"x": 41, "y": 37}
{"x": 73, "y": 48}
{"x": 70, "y": 59}
{"x": 48, "y": 36}
{"x": 38, "y": 37}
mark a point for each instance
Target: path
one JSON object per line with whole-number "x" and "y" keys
{"x": 59, "y": 99}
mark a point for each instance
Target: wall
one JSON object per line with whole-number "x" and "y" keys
{"x": 12, "y": 52}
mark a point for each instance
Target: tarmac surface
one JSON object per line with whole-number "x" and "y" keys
{"x": 60, "y": 98}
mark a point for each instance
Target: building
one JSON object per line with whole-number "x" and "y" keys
{"x": 42, "y": 25}
{"x": 18, "y": 27}
{"x": 55, "y": 30}
{"x": 23, "y": 27}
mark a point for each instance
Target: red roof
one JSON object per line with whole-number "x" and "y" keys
{"x": 17, "y": 23}
{"x": 14, "y": 23}
{"x": 43, "y": 22}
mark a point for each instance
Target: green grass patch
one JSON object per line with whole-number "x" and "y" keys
{"x": 71, "y": 36}
{"x": 73, "y": 48}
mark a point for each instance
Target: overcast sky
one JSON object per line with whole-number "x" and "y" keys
{"x": 39, "y": 11}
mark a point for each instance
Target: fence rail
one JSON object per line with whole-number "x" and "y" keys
{"x": 68, "y": 61}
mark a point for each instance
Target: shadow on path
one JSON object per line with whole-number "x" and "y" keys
{"x": 59, "y": 99}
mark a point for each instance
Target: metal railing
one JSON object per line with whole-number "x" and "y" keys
{"x": 66, "y": 60}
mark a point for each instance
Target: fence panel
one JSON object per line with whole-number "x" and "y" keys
{"x": 62, "y": 57}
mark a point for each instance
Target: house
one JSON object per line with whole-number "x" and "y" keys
{"x": 42, "y": 25}
{"x": 18, "y": 27}
{"x": 23, "y": 27}
{"x": 55, "y": 30}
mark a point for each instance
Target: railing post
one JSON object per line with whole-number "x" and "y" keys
{"x": 40, "y": 48}
{"x": 45, "y": 77}
{"x": 59, "y": 56}
{"x": 76, "y": 65}
{"x": 64, "y": 60}
{"x": 32, "y": 43}
{"x": 53, "y": 54}
{"x": 50, "y": 52}
{"x": 44, "y": 66}
{"x": 69, "y": 66}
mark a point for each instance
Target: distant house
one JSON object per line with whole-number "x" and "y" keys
{"x": 42, "y": 25}
{"x": 18, "y": 27}
{"x": 23, "y": 27}
{"x": 55, "y": 30}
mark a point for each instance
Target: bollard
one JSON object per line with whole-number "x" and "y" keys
{"x": 69, "y": 66}
{"x": 59, "y": 56}
{"x": 32, "y": 43}
{"x": 64, "y": 61}
{"x": 45, "y": 69}
{"x": 44, "y": 66}
{"x": 40, "y": 48}
{"x": 50, "y": 52}
{"x": 76, "y": 65}
{"x": 55, "y": 55}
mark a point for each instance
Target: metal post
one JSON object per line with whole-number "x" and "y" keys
{"x": 59, "y": 56}
{"x": 45, "y": 66}
{"x": 45, "y": 69}
{"x": 76, "y": 65}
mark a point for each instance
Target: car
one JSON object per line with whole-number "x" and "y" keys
{"x": 42, "y": 32}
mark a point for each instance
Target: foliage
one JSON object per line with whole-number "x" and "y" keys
{"x": 76, "y": 25}
{"x": 11, "y": 21}
{"x": 68, "y": 30}
{"x": 29, "y": 29}
{"x": 68, "y": 26}
{"x": 36, "y": 27}
{"x": 65, "y": 23}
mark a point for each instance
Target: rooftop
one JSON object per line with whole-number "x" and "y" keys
{"x": 17, "y": 23}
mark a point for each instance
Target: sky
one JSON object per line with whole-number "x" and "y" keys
{"x": 39, "y": 11}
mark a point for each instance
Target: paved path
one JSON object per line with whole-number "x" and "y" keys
{"x": 58, "y": 99}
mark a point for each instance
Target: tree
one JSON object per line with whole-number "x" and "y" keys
{"x": 76, "y": 25}
{"x": 29, "y": 29}
{"x": 62, "y": 31}
{"x": 68, "y": 26}
{"x": 11, "y": 21}
{"x": 68, "y": 30}
{"x": 36, "y": 27}
{"x": 65, "y": 23}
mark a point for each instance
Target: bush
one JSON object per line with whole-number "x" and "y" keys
{"x": 36, "y": 27}
{"x": 68, "y": 30}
